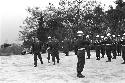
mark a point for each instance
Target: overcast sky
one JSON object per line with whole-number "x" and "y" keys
{"x": 13, "y": 13}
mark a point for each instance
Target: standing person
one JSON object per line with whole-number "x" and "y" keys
{"x": 97, "y": 46}
{"x": 108, "y": 47}
{"x": 66, "y": 44}
{"x": 114, "y": 43}
{"x": 54, "y": 51}
{"x": 80, "y": 45}
{"x": 119, "y": 46}
{"x": 74, "y": 46}
{"x": 123, "y": 48}
{"x": 102, "y": 46}
{"x": 88, "y": 47}
{"x": 49, "y": 48}
{"x": 36, "y": 48}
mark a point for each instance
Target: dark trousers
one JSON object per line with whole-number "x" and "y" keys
{"x": 35, "y": 57}
{"x": 123, "y": 53}
{"x": 81, "y": 60}
{"x": 98, "y": 51}
{"x": 108, "y": 52}
{"x": 67, "y": 53}
{"x": 119, "y": 49}
{"x": 75, "y": 51}
{"x": 55, "y": 54}
{"x": 49, "y": 54}
{"x": 88, "y": 51}
{"x": 114, "y": 51}
{"x": 103, "y": 50}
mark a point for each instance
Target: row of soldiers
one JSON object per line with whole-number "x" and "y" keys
{"x": 106, "y": 45}
{"x": 110, "y": 45}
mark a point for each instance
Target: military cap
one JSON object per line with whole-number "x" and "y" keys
{"x": 49, "y": 37}
{"x": 97, "y": 36}
{"x": 113, "y": 35}
{"x": 108, "y": 34}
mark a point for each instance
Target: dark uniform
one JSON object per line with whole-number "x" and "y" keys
{"x": 97, "y": 48}
{"x": 36, "y": 48}
{"x": 119, "y": 47}
{"x": 103, "y": 48}
{"x": 49, "y": 49}
{"x": 74, "y": 46}
{"x": 66, "y": 46}
{"x": 88, "y": 49}
{"x": 80, "y": 45}
{"x": 108, "y": 49}
{"x": 54, "y": 50}
{"x": 114, "y": 43}
{"x": 123, "y": 50}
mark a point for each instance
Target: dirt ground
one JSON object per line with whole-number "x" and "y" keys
{"x": 19, "y": 69}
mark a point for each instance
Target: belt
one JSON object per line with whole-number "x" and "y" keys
{"x": 108, "y": 44}
{"x": 81, "y": 49}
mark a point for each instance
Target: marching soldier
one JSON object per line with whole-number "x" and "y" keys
{"x": 88, "y": 47}
{"x": 80, "y": 45}
{"x": 49, "y": 48}
{"x": 74, "y": 46}
{"x": 108, "y": 47}
{"x": 119, "y": 46}
{"x": 114, "y": 43}
{"x": 102, "y": 46}
{"x": 123, "y": 48}
{"x": 54, "y": 50}
{"x": 97, "y": 47}
{"x": 36, "y": 48}
{"x": 66, "y": 44}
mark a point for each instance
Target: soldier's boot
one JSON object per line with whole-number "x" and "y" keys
{"x": 102, "y": 56}
{"x": 35, "y": 64}
{"x": 54, "y": 63}
{"x": 114, "y": 57}
{"x": 109, "y": 60}
{"x": 79, "y": 75}
{"x": 67, "y": 54}
{"x": 57, "y": 61}
{"x": 88, "y": 57}
{"x": 41, "y": 62}
{"x": 48, "y": 61}
{"x": 98, "y": 58}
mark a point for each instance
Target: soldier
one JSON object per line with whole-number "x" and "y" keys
{"x": 88, "y": 47}
{"x": 66, "y": 44}
{"x": 49, "y": 48}
{"x": 102, "y": 46}
{"x": 108, "y": 47}
{"x": 81, "y": 43}
{"x": 123, "y": 48}
{"x": 54, "y": 52}
{"x": 114, "y": 47}
{"x": 74, "y": 46}
{"x": 36, "y": 48}
{"x": 119, "y": 46}
{"x": 98, "y": 46}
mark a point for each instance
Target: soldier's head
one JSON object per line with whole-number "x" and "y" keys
{"x": 80, "y": 35}
{"x": 102, "y": 37}
{"x": 35, "y": 39}
{"x": 123, "y": 37}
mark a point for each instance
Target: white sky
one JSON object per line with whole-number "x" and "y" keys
{"x": 13, "y": 13}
